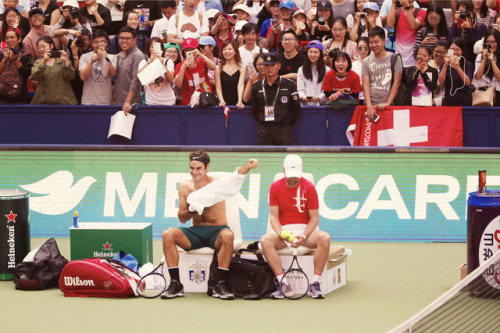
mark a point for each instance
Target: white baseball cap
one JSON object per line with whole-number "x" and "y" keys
{"x": 211, "y": 13}
{"x": 241, "y": 7}
{"x": 292, "y": 166}
{"x": 70, "y": 3}
{"x": 239, "y": 25}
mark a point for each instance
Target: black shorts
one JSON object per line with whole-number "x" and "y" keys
{"x": 202, "y": 236}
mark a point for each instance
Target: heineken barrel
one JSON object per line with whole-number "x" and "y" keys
{"x": 483, "y": 241}
{"x": 14, "y": 230}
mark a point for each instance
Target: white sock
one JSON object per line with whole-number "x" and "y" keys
{"x": 316, "y": 278}
{"x": 280, "y": 277}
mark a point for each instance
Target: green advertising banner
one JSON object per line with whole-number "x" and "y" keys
{"x": 363, "y": 196}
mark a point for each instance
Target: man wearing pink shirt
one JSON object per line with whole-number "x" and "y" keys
{"x": 406, "y": 28}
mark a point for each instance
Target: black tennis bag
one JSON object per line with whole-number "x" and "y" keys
{"x": 43, "y": 270}
{"x": 250, "y": 279}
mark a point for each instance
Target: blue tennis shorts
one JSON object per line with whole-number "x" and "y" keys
{"x": 202, "y": 236}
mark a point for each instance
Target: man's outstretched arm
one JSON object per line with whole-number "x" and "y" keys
{"x": 252, "y": 164}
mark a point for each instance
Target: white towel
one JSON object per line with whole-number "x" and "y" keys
{"x": 221, "y": 189}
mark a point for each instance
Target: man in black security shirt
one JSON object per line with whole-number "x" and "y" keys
{"x": 275, "y": 105}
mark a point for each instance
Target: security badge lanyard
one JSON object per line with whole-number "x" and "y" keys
{"x": 269, "y": 109}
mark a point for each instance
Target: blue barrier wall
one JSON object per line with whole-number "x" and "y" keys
{"x": 177, "y": 125}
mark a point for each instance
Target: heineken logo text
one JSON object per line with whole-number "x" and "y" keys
{"x": 75, "y": 281}
{"x": 110, "y": 254}
{"x": 12, "y": 247}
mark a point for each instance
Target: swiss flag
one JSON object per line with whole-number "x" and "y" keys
{"x": 405, "y": 126}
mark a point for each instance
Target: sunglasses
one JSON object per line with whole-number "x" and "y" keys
{"x": 363, "y": 48}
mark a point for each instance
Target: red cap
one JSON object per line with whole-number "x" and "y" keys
{"x": 189, "y": 43}
{"x": 16, "y": 30}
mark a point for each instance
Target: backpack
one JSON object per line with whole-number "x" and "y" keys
{"x": 41, "y": 268}
{"x": 250, "y": 279}
{"x": 11, "y": 82}
{"x": 403, "y": 96}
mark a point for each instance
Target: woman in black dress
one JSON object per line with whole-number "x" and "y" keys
{"x": 230, "y": 76}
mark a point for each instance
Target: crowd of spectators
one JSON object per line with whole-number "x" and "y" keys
{"x": 90, "y": 52}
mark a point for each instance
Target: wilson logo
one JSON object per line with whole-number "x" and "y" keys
{"x": 75, "y": 281}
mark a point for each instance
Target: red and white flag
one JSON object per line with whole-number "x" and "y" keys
{"x": 405, "y": 126}
{"x": 226, "y": 112}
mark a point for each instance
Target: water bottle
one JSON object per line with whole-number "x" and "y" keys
{"x": 76, "y": 220}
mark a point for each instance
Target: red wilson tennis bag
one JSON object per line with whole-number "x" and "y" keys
{"x": 98, "y": 277}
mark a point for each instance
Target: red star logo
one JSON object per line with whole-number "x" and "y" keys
{"x": 107, "y": 246}
{"x": 11, "y": 217}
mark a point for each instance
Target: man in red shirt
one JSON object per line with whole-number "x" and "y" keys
{"x": 293, "y": 202}
{"x": 193, "y": 71}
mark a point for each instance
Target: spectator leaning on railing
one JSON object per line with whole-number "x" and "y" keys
{"x": 127, "y": 85}
{"x": 456, "y": 73}
{"x": 487, "y": 72}
{"x": 341, "y": 81}
{"x": 193, "y": 71}
{"x": 230, "y": 76}
{"x": 311, "y": 75}
{"x": 380, "y": 82}
{"x": 159, "y": 92}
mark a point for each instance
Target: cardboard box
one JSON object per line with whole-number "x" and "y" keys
{"x": 463, "y": 274}
{"x": 194, "y": 269}
{"x": 463, "y": 271}
{"x": 105, "y": 240}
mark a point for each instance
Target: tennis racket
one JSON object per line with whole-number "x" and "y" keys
{"x": 298, "y": 283}
{"x": 153, "y": 284}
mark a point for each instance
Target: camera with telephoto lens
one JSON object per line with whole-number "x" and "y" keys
{"x": 15, "y": 50}
{"x": 464, "y": 14}
{"x": 119, "y": 5}
{"x": 332, "y": 53}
